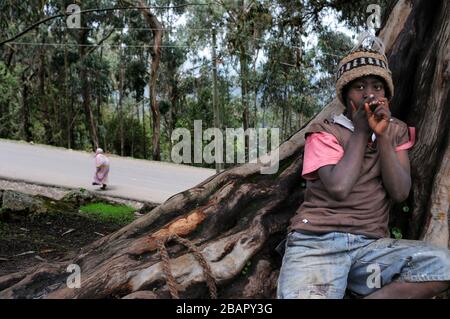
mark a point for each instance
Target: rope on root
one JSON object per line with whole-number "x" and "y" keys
{"x": 164, "y": 255}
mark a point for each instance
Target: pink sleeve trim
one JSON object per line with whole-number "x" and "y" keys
{"x": 410, "y": 143}
{"x": 321, "y": 149}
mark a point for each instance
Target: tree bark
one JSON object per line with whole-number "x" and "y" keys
{"x": 420, "y": 61}
{"x": 244, "y": 93}
{"x": 216, "y": 107}
{"x": 236, "y": 218}
{"x": 44, "y": 101}
{"x": 86, "y": 91}
{"x": 144, "y": 134}
{"x": 172, "y": 114}
{"x": 121, "y": 82}
{"x": 157, "y": 31}
{"x": 67, "y": 107}
{"x": 98, "y": 109}
{"x": 26, "y": 119}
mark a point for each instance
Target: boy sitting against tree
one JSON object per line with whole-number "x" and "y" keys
{"x": 355, "y": 165}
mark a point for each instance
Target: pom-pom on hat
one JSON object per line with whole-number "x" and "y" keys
{"x": 363, "y": 61}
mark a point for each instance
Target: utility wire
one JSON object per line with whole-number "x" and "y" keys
{"x": 138, "y": 46}
{"x": 67, "y": 14}
{"x": 97, "y": 45}
{"x": 130, "y": 28}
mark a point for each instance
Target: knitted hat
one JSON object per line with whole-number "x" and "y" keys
{"x": 362, "y": 62}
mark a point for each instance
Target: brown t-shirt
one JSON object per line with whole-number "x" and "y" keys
{"x": 365, "y": 211}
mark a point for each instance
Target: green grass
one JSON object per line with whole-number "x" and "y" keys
{"x": 120, "y": 214}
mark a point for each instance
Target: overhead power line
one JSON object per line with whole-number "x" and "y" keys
{"x": 98, "y": 45}
{"x": 135, "y": 46}
{"x": 67, "y": 14}
{"x": 131, "y": 28}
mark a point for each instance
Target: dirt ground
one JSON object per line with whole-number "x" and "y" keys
{"x": 46, "y": 237}
{"x": 38, "y": 237}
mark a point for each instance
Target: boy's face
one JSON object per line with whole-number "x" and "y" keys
{"x": 363, "y": 87}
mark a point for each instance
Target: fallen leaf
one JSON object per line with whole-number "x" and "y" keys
{"x": 68, "y": 232}
{"x": 25, "y": 253}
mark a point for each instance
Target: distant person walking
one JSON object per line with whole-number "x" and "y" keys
{"x": 102, "y": 169}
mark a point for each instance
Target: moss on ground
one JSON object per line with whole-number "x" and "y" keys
{"x": 118, "y": 214}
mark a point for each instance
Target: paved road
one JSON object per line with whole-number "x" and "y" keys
{"x": 129, "y": 178}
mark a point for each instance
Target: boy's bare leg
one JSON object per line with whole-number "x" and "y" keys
{"x": 410, "y": 290}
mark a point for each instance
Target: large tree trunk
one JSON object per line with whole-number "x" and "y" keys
{"x": 420, "y": 59}
{"x": 236, "y": 218}
{"x": 157, "y": 31}
{"x": 144, "y": 134}
{"x": 44, "y": 101}
{"x": 26, "y": 119}
{"x": 215, "y": 100}
{"x": 121, "y": 83}
{"x": 99, "y": 106}
{"x": 86, "y": 90}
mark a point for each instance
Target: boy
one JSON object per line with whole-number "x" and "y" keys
{"x": 356, "y": 164}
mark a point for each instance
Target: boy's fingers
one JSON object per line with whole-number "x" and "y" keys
{"x": 367, "y": 108}
{"x": 381, "y": 114}
{"x": 385, "y": 102}
{"x": 381, "y": 109}
{"x": 353, "y": 106}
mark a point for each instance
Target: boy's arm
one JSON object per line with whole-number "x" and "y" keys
{"x": 339, "y": 179}
{"x": 395, "y": 169}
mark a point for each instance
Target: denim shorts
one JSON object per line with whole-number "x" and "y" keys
{"x": 325, "y": 265}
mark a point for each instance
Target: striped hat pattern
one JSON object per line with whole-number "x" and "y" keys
{"x": 362, "y": 62}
